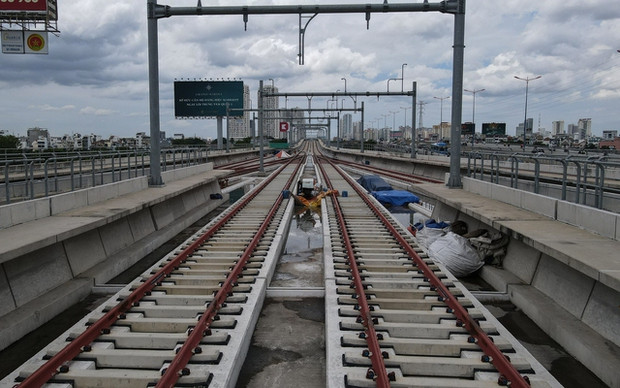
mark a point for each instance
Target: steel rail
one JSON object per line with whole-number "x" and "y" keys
{"x": 178, "y": 366}
{"x": 58, "y": 363}
{"x": 376, "y": 357}
{"x": 496, "y": 357}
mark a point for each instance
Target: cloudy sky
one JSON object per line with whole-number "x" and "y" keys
{"x": 95, "y": 78}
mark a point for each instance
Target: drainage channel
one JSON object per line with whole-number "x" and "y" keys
{"x": 288, "y": 345}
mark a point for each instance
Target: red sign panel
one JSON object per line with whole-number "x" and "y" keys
{"x": 23, "y": 5}
{"x": 283, "y": 126}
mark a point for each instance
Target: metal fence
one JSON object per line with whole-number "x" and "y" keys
{"x": 591, "y": 180}
{"x": 29, "y": 176}
{"x": 586, "y": 180}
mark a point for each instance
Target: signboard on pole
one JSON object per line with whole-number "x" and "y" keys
{"x": 12, "y": 42}
{"x": 494, "y": 129}
{"x": 35, "y": 42}
{"x": 202, "y": 99}
{"x": 283, "y": 126}
{"x": 23, "y": 6}
{"x": 468, "y": 128}
{"x": 24, "y": 42}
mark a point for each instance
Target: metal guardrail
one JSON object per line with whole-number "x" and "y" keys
{"x": 570, "y": 173}
{"x": 591, "y": 180}
{"x": 30, "y": 176}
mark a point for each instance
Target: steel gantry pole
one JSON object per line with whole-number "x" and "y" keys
{"x": 414, "y": 87}
{"x": 457, "y": 96}
{"x": 260, "y": 125}
{"x": 153, "y": 58}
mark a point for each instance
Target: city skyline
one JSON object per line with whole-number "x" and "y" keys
{"x": 94, "y": 79}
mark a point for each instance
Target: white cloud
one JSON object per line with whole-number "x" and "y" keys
{"x": 90, "y": 111}
{"x": 98, "y": 65}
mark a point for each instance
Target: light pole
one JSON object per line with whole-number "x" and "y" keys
{"x": 393, "y": 119}
{"x": 402, "y": 77}
{"x": 441, "y": 114}
{"x": 405, "y": 108}
{"x": 527, "y": 83}
{"x": 473, "y": 112}
{"x": 345, "y": 84}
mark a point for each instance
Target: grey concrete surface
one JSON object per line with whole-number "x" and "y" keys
{"x": 93, "y": 242}
{"x": 563, "y": 277}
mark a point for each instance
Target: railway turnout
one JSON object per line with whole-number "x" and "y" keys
{"x": 393, "y": 316}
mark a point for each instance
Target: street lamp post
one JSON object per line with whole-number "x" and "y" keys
{"x": 441, "y": 114}
{"x": 473, "y": 111}
{"x": 527, "y": 83}
{"x": 345, "y": 84}
{"x": 402, "y": 77}
{"x": 405, "y": 108}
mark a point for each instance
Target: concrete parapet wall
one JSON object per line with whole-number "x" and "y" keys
{"x": 20, "y": 212}
{"x": 601, "y": 222}
{"x": 576, "y": 306}
{"x": 112, "y": 237}
{"x": 180, "y": 173}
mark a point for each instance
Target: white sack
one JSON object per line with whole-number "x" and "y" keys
{"x": 426, "y": 236}
{"x": 456, "y": 253}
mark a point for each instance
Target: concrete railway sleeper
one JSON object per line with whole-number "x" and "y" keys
{"x": 393, "y": 317}
{"x": 171, "y": 326}
{"x": 403, "y": 322}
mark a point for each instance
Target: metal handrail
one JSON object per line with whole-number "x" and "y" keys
{"x": 27, "y": 177}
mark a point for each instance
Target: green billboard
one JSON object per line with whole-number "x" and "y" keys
{"x": 494, "y": 129}
{"x": 201, "y": 99}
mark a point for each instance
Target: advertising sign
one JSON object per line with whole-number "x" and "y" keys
{"x": 201, "y": 99}
{"x": 494, "y": 129}
{"x": 23, "y": 5}
{"x": 283, "y": 126}
{"x": 12, "y": 42}
{"x": 24, "y": 42}
{"x": 468, "y": 128}
{"x": 35, "y": 42}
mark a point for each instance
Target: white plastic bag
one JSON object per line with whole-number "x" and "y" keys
{"x": 456, "y": 253}
{"x": 426, "y": 236}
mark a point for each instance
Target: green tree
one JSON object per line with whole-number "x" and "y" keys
{"x": 9, "y": 141}
{"x": 189, "y": 141}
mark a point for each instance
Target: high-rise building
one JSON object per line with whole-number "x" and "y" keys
{"x": 346, "y": 126}
{"x": 33, "y": 134}
{"x": 557, "y": 127}
{"x": 573, "y": 131}
{"x": 585, "y": 128}
{"x": 239, "y": 126}
{"x": 528, "y": 130}
{"x": 270, "y": 122}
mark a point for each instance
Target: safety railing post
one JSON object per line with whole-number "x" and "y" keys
{"x": 92, "y": 170}
{"x": 536, "y": 175}
{"x": 564, "y": 178}
{"x": 72, "y": 172}
{"x": 80, "y": 169}
{"x": 31, "y": 168}
{"x": 46, "y": 177}
{"x": 7, "y": 181}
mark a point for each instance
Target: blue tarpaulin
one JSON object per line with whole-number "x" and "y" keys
{"x": 373, "y": 183}
{"x": 395, "y": 197}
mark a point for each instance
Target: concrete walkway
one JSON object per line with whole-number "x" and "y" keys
{"x": 565, "y": 278}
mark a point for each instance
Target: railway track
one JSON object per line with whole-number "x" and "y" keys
{"x": 393, "y": 316}
{"x": 186, "y": 322}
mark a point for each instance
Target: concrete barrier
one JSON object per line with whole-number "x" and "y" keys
{"x": 564, "y": 278}
{"x": 96, "y": 242}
